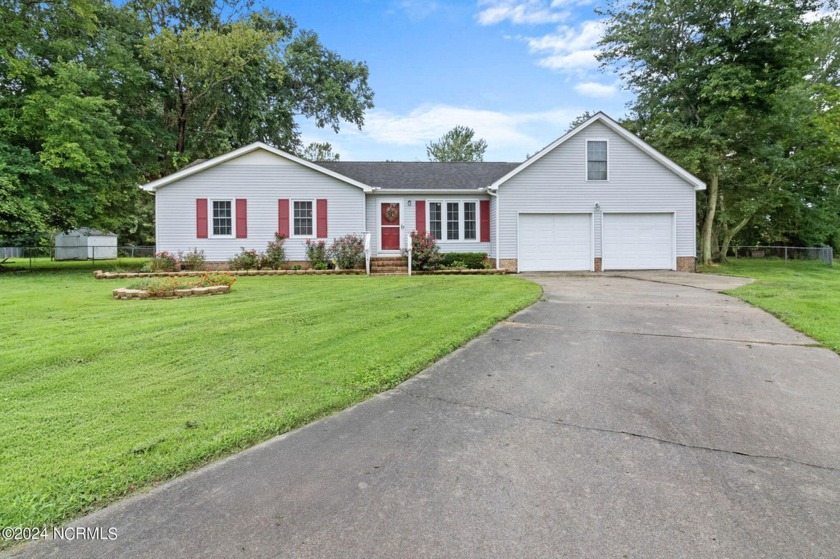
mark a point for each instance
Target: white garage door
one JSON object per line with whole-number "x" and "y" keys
{"x": 555, "y": 242}
{"x": 638, "y": 242}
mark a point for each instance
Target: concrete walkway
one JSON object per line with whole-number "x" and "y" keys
{"x": 617, "y": 417}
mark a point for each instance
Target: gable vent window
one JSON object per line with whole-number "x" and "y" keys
{"x": 222, "y": 218}
{"x": 596, "y": 160}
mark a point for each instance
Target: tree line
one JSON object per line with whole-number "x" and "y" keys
{"x": 97, "y": 97}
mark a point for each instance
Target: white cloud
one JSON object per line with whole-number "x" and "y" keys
{"x": 595, "y": 89}
{"x": 415, "y": 9}
{"x": 569, "y": 48}
{"x": 522, "y": 12}
{"x": 404, "y": 136}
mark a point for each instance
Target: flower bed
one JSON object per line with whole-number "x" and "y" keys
{"x": 169, "y": 287}
{"x": 99, "y": 274}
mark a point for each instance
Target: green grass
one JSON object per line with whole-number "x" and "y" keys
{"x": 803, "y": 294}
{"x": 43, "y": 264}
{"x": 99, "y": 397}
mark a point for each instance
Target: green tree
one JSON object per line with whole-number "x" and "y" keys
{"x": 457, "y": 145}
{"x": 231, "y": 75}
{"x": 711, "y": 81}
{"x": 319, "y": 151}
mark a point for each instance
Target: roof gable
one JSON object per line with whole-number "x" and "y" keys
{"x": 204, "y": 165}
{"x": 621, "y": 131}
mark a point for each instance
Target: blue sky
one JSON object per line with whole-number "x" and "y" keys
{"x": 516, "y": 71}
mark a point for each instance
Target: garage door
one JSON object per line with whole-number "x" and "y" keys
{"x": 638, "y": 242}
{"x": 555, "y": 242}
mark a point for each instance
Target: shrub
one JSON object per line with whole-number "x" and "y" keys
{"x": 162, "y": 262}
{"x": 316, "y": 253}
{"x": 211, "y": 279}
{"x": 425, "y": 253}
{"x": 297, "y": 267}
{"x": 193, "y": 260}
{"x": 248, "y": 259}
{"x": 465, "y": 260}
{"x": 348, "y": 252}
{"x": 275, "y": 253}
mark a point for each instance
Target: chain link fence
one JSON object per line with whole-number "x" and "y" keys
{"x": 60, "y": 257}
{"x": 826, "y": 254}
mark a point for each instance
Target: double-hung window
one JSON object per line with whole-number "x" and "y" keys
{"x": 596, "y": 160}
{"x": 222, "y": 218}
{"x": 303, "y": 218}
{"x": 453, "y": 220}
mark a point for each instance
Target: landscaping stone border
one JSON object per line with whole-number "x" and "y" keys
{"x": 177, "y": 293}
{"x": 99, "y": 274}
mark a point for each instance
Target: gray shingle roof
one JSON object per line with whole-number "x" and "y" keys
{"x": 410, "y": 175}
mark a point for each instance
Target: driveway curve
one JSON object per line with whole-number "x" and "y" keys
{"x": 638, "y": 415}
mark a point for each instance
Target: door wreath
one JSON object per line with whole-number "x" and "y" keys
{"x": 392, "y": 213}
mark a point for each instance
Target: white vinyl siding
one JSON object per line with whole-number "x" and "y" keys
{"x": 262, "y": 178}
{"x": 556, "y": 184}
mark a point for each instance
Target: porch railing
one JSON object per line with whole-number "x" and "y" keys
{"x": 367, "y": 252}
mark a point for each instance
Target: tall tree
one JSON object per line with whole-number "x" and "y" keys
{"x": 231, "y": 75}
{"x": 319, "y": 151}
{"x": 457, "y": 145}
{"x": 710, "y": 78}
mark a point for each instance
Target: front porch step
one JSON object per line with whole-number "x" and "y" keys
{"x": 384, "y": 269}
{"x": 404, "y": 273}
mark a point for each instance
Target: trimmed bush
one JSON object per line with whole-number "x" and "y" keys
{"x": 425, "y": 253}
{"x": 316, "y": 253}
{"x": 162, "y": 262}
{"x": 466, "y": 260}
{"x": 348, "y": 252}
{"x": 193, "y": 260}
{"x": 248, "y": 259}
{"x": 275, "y": 253}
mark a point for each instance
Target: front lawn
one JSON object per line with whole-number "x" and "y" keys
{"x": 99, "y": 398}
{"x": 803, "y": 294}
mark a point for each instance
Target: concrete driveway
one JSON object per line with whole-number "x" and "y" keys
{"x": 617, "y": 417}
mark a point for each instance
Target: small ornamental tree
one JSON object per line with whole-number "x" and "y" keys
{"x": 348, "y": 252}
{"x": 425, "y": 253}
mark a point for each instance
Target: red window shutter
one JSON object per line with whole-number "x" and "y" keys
{"x": 321, "y": 210}
{"x": 201, "y": 218}
{"x": 484, "y": 218}
{"x": 420, "y": 216}
{"x": 241, "y": 218}
{"x": 283, "y": 218}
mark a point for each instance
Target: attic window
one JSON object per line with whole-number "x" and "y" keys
{"x": 596, "y": 160}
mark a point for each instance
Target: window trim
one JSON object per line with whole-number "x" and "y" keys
{"x": 444, "y": 231}
{"x": 211, "y": 227}
{"x": 586, "y": 160}
{"x": 292, "y": 233}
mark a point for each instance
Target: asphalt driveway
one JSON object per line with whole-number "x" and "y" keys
{"x": 617, "y": 417}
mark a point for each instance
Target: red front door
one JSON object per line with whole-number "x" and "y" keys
{"x": 390, "y": 219}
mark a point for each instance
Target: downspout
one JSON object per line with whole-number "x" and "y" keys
{"x": 496, "y": 195}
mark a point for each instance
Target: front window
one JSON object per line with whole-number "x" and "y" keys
{"x": 222, "y": 218}
{"x": 435, "y": 220}
{"x": 303, "y": 218}
{"x": 452, "y": 221}
{"x": 469, "y": 221}
{"x": 596, "y": 160}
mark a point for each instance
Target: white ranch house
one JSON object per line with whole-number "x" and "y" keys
{"x": 598, "y": 198}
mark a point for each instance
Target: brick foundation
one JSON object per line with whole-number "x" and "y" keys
{"x": 223, "y": 266}
{"x": 686, "y": 264}
{"x": 508, "y": 264}
{"x": 598, "y": 264}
